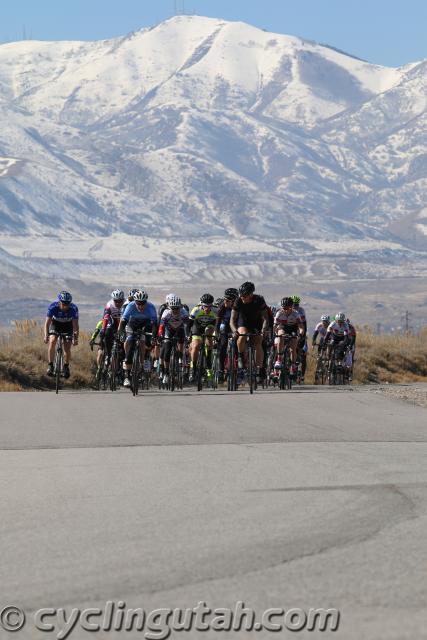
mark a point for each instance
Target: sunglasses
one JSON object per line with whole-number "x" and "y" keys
{"x": 140, "y": 303}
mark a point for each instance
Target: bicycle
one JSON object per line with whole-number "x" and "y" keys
{"x": 201, "y": 364}
{"x": 176, "y": 366}
{"x": 321, "y": 371}
{"x": 137, "y": 366}
{"x": 336, "y": 374}
{"x": 230, "y": 364}
{"x": 285, "y": 378}
{"x": 59, "y": 357}
{"x": 251, "y": 360}
{"x": 115, "y": 371}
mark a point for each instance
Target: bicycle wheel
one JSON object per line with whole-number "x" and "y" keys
{"x": 251, "y": 368}
{"x": 200, "y": 367}
{"x": 215, "y": 368}
{"x": 172, "y": 368}
{"x": 135, "y": 370}
{"x": 59, "y": 356}
{"x": 114, "y": 365}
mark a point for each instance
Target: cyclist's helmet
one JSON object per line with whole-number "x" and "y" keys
{"x": 132, "y": 293}
{"x": 173, "y": 301}
{"x": 206, "y": 298}
{"x": 168, "y": 296}
{"x": 219, "y": 301}
{"x": 65, "y": 297}
{"x": 140, "y": 296}
{"x": 296, "y": 299}
{"x": 340, "y": 317}
{"x": 274, "y": 310}
{"x": 246, "y": 289}
{"x": 231, "y": 294}
{"x": 118, "y": 294}
{"x": 325, "y": 318}
{"x": 286, "y": 302}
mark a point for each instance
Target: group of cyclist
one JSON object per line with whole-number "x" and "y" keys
{"x": 239, "y": 312}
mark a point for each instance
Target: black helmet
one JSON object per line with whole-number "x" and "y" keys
{"x": 286, "y": 302}
{"x": 231, "y": 294}
{"x": 246, "y": 289}
{"x": 206, "y": 298}
{"x": 219, "y": 301}
{"x": 65, "y": 297}
{"x": 132, "y": 293}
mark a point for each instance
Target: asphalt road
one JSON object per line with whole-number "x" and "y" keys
{"x": 315, "y": 498}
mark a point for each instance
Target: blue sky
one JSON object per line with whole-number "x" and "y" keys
{"x": 389, "y": 32}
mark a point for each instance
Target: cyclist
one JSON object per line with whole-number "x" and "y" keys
{"x": 130, "y": 299}
{"x": 222, "y": 329}
{"x": 173, "y": 322}
{"x": 320, "y": 330}
{"x": 110, "y": 324}
{"x": 62, "y": 317}
{"x": 336, "y": 338}
{"x": 249, "y": 315}
{"x": 202, "y": 320}
{"x": 95, "y": 334}
{"x": 349, "y": 361}
{"x": 139, "y": 314}
{"x": 287, "y": 322}
{"x": 302, "y": 341}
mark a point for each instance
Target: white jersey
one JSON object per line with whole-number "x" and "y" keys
{"x": 292, "y": 319}
{"x": 338, "y": 330}
{"x": 173, "y": 321}
{"x": 321, "y": 330}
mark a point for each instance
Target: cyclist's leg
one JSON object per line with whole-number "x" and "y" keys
{"x": 259, "y": 351}
{"x": 67, "y": 349}
{"x": 51, "y": 347}
{"x": 241, "y": 346}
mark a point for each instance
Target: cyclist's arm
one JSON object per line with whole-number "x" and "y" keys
{"x": 47, "y": 324}
{"x": 313, "y": 340}
{"x": 233, "y": 320}
{"x": 75, "y": 329}
{"x": 265, "y": 321}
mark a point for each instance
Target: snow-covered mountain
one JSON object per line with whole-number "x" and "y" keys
{"x": 204, "y": 127}
{"x": 201, "y": 148}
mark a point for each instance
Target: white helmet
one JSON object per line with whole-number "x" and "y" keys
{"x": 118, "y": 294}
{"x": 173, "y": 301}
{"x": 140, "y": 296}
{"x": 325, "y": 318}
{"x": 340, "y": 317}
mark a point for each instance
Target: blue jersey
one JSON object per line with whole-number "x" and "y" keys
{"x": 134, "y": 316}
{"x": 62, "y": 315}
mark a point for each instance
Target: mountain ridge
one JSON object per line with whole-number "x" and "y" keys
{"x": 209, "y": 128}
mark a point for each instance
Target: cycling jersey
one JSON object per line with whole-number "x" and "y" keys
{"x": 97, "y": 330}
{"x": 292, "y": 319}
{"x": 337, "y": 331}
{"x": 136, "y": 317}
{"x": 223, "y": 319}
{"x": 321, "y": 331}
{"x": 250, "y": 314}
{"x": 201, "y": 318}
{"x": 59, "y": 315}
{"x": 112, "y": 315}
{"x": 172, "y": 321}
{"x": 351, "y": 330}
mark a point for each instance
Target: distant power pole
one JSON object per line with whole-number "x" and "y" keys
{"x": 406, "y": 322}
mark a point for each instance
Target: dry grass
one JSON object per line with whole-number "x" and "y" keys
{"x": 23, "y": 360}
{"x": 378, "y": 359}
